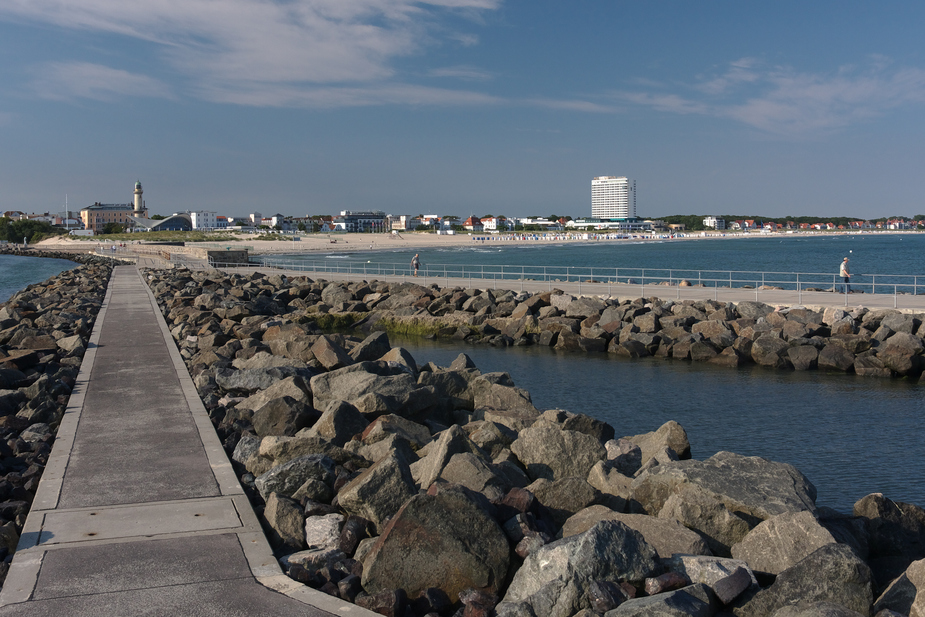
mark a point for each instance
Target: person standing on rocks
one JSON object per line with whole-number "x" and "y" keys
{"x": 415, "y": 263}
{"x": 845, "y": 274}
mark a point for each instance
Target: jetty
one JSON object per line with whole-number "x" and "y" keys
{"x": 139, "y": 510}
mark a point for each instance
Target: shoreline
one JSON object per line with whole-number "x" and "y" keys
{"x": 362, "y": 242}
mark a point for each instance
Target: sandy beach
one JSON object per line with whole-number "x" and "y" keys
{"x": 408, "y": 241}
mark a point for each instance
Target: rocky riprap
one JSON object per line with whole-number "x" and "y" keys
{"x": 44, "y": 331}
{"x": 881, "y": 342}
{"x": 426, "y": 490}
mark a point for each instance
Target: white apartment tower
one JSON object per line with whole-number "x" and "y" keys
{"x": 613, "y": 197}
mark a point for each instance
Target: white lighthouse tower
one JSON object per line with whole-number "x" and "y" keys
{"x": 139, "y": 202}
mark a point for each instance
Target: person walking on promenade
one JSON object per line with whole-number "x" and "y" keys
{"x": 415, "y": 263}
{"x": 845, "y": 274}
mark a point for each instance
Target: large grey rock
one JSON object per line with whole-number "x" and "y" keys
{"x": 554, "y": 580}
{"x": 770, "y": 350}
{"x": 832, "y": 574}
{"x": 666, "y": 536}
{"x": 613, "y": 485}
{"x": 282, "y": 416}
{"x": 331, "y": 355}
{"x": 816, "y": 609}
{"x": 294, "y": 387}
{"x": 897, "y": 534}
{"x": 469, "y": 470}
{"x": 378, "y": 493}
{"x": 753, "y": 310}
{"x": 443, "y": 539}
{"x": 263, "y": 360}
{"x": 549, "y": 452}
{"x": 416, "y": 434}
{"x": 491, "y": 392}
{"x": 692, "y": 601}
{"x": 564, "y": 497}
{"x": 373, "y": 347}
{"x": 781, "y": 541}
{"x": 906, "y": 594}
{"x": 286, "y": 479}
{"x": 748, "y": 485}
{"x": 354, "y": 382}
{"x": 671, "y": 435}
{"x": 323, "y": 532}
{"x": 703, "y": 512}
{"x": 339, "y": 423}
{"x": 450, "y": 442}
{"x": 250, "y": 380}
{"x": 712, "y": 571}
{"x": 284, "y": 518}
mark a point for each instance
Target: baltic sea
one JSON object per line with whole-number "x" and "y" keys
{"x": 849, "y": 435}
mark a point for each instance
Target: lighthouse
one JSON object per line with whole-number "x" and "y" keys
{"x": 139, "y": 202}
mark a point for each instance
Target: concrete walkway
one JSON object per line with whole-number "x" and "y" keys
{"x": 139, "y": 511}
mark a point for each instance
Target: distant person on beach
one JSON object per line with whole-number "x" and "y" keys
{"x": 415, "y": 263}
{"x": 845, "y": 274}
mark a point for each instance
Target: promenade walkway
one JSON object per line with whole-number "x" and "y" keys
{"x": 139, "y": 511}
{"x": 774, "y": 297}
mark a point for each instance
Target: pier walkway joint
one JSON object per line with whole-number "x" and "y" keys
{"x": 139, "y": 511}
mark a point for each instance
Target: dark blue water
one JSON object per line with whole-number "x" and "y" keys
{"x": 872, "y": 257}
{"x": 849, "y": 435}
{"x": 18, "y": 272}
{"x": 869, "y": 254}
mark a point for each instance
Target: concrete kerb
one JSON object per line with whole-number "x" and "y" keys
{"x": 263, "y": 565}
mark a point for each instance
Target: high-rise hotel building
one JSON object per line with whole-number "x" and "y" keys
{"x": 613, "y": 197}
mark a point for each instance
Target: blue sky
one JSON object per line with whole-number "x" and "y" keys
{"x": 463, "y": 106}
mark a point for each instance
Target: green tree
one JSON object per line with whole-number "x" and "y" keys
{"x": 32, "y": 231}
{"x": 158, "y": 217}
{"x": 112, "y": 228}
{"x": 301, "y": 226}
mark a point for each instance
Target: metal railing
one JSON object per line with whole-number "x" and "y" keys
{"x": 741, "y": 279}
{"x": 598, "y": 280}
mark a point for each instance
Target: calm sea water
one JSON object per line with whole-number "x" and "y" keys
{"x": 869, "y": 254}
{"x": 850, "y": 436}
{"x": 18, "y": 272}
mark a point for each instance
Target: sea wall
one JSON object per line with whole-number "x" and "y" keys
{"x": 426, "y": 490}
{"x": 44, "y": 331}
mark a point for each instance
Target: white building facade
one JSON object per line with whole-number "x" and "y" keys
{"x": 613, "y": 197}
{"x": 204, "y": 220}
{"x": 714, "y": 223}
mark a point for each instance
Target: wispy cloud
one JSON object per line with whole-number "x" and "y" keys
{"x": 286, "y": 46}
{"x": 65, "y": 80}
{"x": 785, "y": 101}
{"x": 466, "y": 73}
{"x": 572, "y": 105}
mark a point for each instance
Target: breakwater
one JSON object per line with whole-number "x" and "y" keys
{"x": 440, "y": 489}
{"x": 44, "y": 331}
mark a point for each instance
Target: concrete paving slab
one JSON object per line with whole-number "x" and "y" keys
{"x": 111, "y": 568}
{"x": 66, "y": 526}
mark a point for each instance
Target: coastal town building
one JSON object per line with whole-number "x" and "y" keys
{"x": 714, "y": 223}
{"x": 626, "y": 226}
{"x": 473, "y": 223}
{"x": 204, "y": 220}
{"x": 362, "y": 221}
{"x": 97, "y": 216}
{"x": 613, "y": 198}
